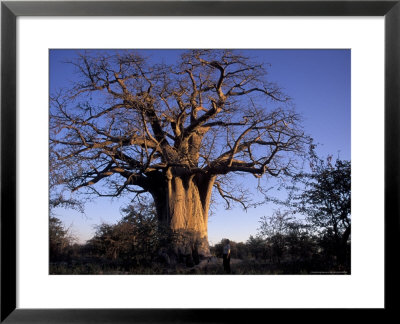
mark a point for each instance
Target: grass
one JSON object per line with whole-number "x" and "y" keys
{"x": 238, "y": 267}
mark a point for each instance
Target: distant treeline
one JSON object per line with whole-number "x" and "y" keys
{"x": 137, "y": 246}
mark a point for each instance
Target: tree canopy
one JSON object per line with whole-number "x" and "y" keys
{"x": 211, "y": 113}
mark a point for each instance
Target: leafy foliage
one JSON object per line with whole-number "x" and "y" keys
{"x": 135, "y": 240}
{"x": 322, "y": 200}
{"x": 60, "y": 240}
{"x": 326, "y": 201}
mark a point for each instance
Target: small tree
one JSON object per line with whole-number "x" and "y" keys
{"x": 300, "y": 241}
{"x": 60, "y": 239}
{"x": 257, "y": 247}
{"x": 274, "y": 228}
{"x": 326, "y": 201}
{"x": 135, "y": 240}
{"x": 284, "y": 234}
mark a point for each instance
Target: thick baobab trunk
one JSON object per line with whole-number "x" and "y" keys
{"x": 184, "y": 207}
{"x": 188, "y": 204}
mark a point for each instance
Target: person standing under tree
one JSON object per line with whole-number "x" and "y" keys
{"x": 226, "y": 254}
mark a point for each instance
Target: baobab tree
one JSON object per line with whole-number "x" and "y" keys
{"x": 177, "y": 131}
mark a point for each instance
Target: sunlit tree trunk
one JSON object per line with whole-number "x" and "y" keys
{"x": 184, "y": 208}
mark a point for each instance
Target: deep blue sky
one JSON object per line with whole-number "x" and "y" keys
{"x": 318, "y": 81}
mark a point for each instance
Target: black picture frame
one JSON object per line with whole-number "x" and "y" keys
{"x": 10, "y": 10}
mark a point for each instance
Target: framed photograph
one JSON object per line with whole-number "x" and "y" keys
{"x": 172, "y": 112}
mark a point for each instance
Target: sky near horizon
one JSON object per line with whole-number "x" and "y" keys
{"x": 319, "y": 83}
